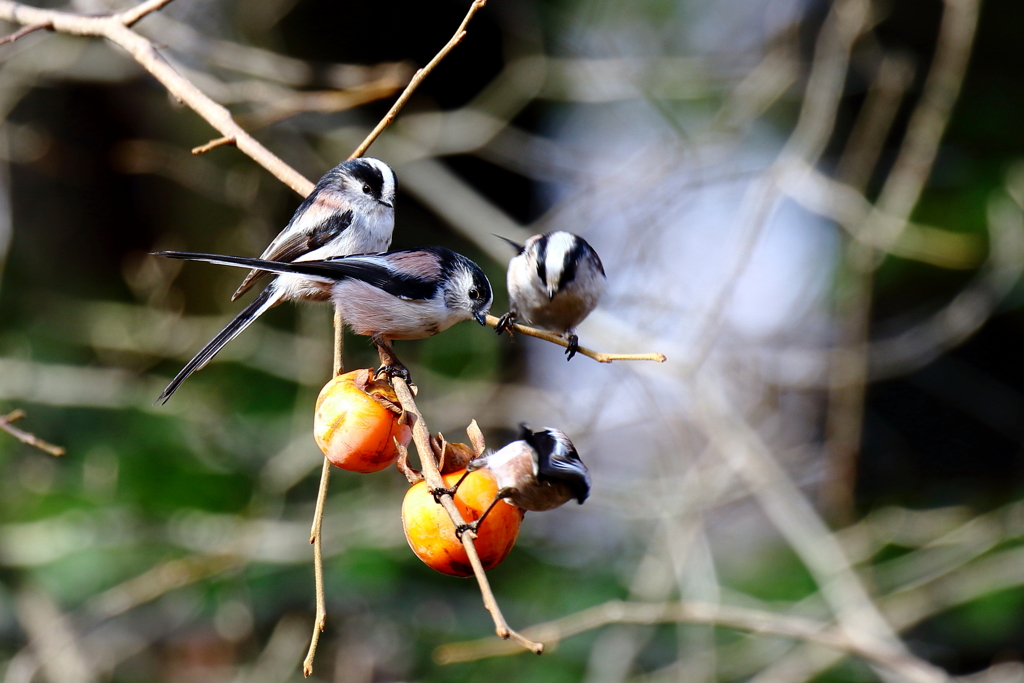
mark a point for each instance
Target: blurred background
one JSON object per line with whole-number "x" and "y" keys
{"x": 812, "y": 208}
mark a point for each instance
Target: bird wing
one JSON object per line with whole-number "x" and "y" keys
{"x": 321, "y": 218}
{"x": 372, "y": 269}
{"x": 557, "y": 459}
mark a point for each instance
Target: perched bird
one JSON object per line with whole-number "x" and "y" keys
{"x": 404, "y": 294}
{"x": 350, "y": 211}
{"x": 554, "y": 282}
{"x": 539, "y": 471}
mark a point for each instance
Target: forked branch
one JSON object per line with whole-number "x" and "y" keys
{"x": 421, "y": 436}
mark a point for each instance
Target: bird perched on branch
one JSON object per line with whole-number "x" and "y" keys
{"x": 539, "y": 471}
{"x": 404, "y": 294}
{"x": 350, "y": 211}
{"x": 554, "y": 282}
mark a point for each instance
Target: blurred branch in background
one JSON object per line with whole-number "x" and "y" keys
{"x": 882, "y": 229}
{"x": 26, "y": 437}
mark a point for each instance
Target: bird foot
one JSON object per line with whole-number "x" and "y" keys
{"x": 463, "y": 528}
{"x": 505, "y": 323}
{"x": 439, "y": 492}
{"x": 392, "y": 371}
{"x": 573, "y": 347}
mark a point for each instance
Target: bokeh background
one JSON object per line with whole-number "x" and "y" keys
{"x": 835, "y": 436}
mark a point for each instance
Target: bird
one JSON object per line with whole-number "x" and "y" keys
{"x": 538, "y": 471}
{"x": 350, "y": 211}
{"x": 402, "y": 294}
{"x": 554, "y": 282}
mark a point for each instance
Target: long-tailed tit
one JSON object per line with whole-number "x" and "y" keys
{"x": 554, "y": 282}
{"x": 404, "y": 294}
{"x": 350, "y": 211}
{"x": 539, "y": 471}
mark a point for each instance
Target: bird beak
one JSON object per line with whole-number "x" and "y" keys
{"x": 390, "y": 205}
{"x": 481, "y": 318}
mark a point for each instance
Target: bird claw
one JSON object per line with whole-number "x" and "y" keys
{"x": 439, "y": 492}
{"x": 392, "y": 371}
{"x": 463, "y": 528}
{"x": 505, "y": 323}
{"x": 573, "y": 347}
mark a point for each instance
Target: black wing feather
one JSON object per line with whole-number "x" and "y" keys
{"x": 372, "y": 270}
{"x": 557, "y": 459}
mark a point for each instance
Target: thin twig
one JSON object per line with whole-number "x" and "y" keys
{"x": 417, "y": 78}
{"x": 26, "y": 437}
{"x": 339, "y": 343}
{"x": 115, "y": 28}
{"x": 582, "y": 350}
{"x": 421, "y": 436}
{"x": 213, "y": 144}
{"x": 22, "y": 32}
{"x": 622, "y": 612}
{"x": 316, "y": 538}
{"x": 131, "y": 16}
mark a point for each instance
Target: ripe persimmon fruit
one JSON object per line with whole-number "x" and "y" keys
{"x": 431, "y": 534}
{"x": 355, "y": 422}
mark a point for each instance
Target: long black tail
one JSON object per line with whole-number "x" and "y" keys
{"x": 260, "y": 304}
{"x": 329, "y": 270}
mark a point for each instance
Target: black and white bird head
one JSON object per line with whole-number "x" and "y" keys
{"x": 556, "y": 459}
{"x": 367, "y": 181}
{"x": 467, "y": 289}
{"x": 560, "y": 259}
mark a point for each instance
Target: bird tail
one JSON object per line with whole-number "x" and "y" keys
{"x": 258, "y": 307}
{"x": 325, "y": 270}
{"x": 250, "y": 279}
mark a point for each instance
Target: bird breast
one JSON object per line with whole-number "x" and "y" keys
{"x": 369, "y": 310}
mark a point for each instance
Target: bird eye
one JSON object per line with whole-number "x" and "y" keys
{"x": 367, "y": 189}
{"x": 474, "y": 293}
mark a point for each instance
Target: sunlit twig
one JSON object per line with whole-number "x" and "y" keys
{"x": 582, "y": 350}
{"x": 26, "y": 437}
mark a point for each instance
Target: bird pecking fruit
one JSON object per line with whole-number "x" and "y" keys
{"x": 357, "y": 421}
{"x": 431, "y": 534}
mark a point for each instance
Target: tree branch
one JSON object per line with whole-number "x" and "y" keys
{"x": 26, "y": 437}
{"x": 589, "y": 353}
{"x": 421, "y": 436}
{"x": 115, "y": 28}
{"x": 621, "y": 612}
{"x": 417, "y": 78}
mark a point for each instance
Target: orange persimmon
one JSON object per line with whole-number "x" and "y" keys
{"x": 356, "y": 418}
{"x": 431, "y": 534}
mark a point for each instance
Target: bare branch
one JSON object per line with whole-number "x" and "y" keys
{"x": 115, "y": 29}
{"x": 213, "y": 144}
{"x": 22, "y": 32}
{"x": 26, "y": 437}
{"x": 620, "y": 612}
{"x": 421, "y": 436}
{"x": 589, "y": 353}
{"x": 417, "y": 78}
{"x": 316, "y": 538}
